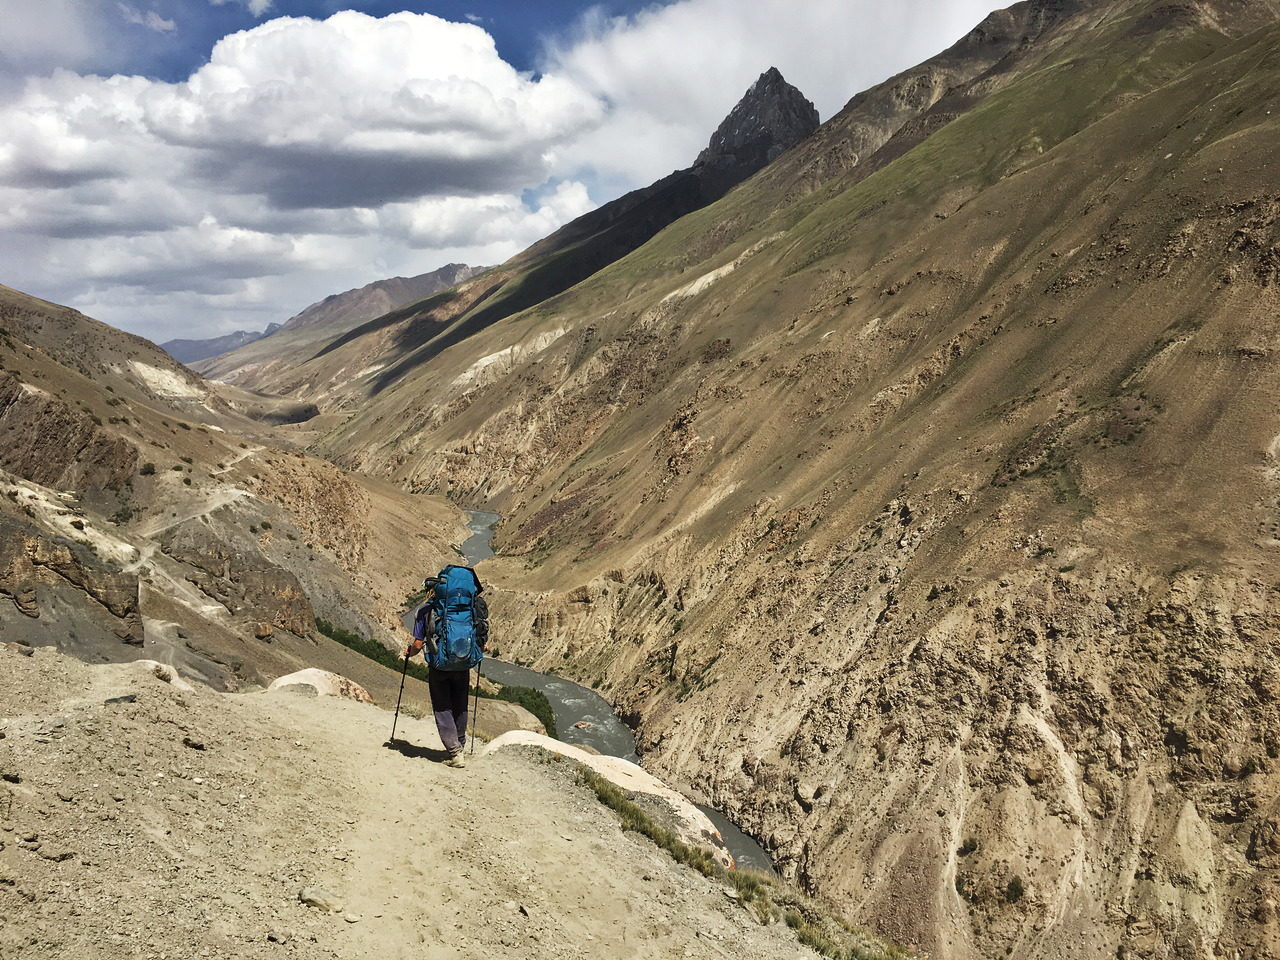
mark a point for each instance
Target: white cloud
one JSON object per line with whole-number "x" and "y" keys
{"x": 300, "y": 148}
{"x": 256, "y": 7}
{"x": 306, "y": 157}
{"x": 149, "y": 19}
{"x": 47, "y": 34}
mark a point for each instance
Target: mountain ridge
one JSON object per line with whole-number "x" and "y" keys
{"x": 550, "y": 266}
{"x": 190, "y": 351}
{"x": 325, "y": 319}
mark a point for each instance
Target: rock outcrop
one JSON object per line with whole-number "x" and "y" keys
{"x": 63, "y": 585}
{"x": 326, "y": 684}
{"x": 243, "y": 581}
{"x": 770, "y": 119}
{"x": 47, "y": 440}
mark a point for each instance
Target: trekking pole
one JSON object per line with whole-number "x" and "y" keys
{"x": 403, "y": 671}
{"x": 475, "y": 705}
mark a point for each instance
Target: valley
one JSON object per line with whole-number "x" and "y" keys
{"x": 907, "y": 483}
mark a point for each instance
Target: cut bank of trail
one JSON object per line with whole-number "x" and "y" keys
{"x": 186, "y": 823}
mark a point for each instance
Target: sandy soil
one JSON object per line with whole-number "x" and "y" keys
{"x": 186, "y": 824}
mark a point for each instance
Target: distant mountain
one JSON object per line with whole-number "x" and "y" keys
{"x": 189, "y": 351}
{"x": 299, "y": 336}
{"x": 771, "y": 117}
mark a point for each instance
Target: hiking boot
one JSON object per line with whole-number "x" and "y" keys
{"x": 457, "y": 760}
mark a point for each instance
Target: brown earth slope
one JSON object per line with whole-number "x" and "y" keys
{"x": 924, "y": 510}
{"x": 142, "y": 515}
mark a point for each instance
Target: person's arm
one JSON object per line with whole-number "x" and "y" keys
{"x": 421, "y": 631}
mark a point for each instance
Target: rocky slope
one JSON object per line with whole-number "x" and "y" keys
{"x": 772, "y": 117}
{"x": 252, "y": 364}
{"x": 143, "y": 515}
{"x": 918, "y": 500}
{"x": 137, "y": 818}
{"x": 189, "y": 351}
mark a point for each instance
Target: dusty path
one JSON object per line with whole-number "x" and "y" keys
{"x": 123, "y": 840}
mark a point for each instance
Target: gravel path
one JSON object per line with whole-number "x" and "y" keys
{"x": 174, "y": 824}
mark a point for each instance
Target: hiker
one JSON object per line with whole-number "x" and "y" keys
{"x": 453, "y": 627}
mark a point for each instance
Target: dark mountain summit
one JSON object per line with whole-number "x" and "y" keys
{"x": 773, "y": 117}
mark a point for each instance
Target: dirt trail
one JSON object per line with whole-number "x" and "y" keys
{"x": 202, "y": 505}
{"x": 186, "y": 824}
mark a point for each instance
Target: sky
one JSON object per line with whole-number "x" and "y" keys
{"x": 186, "y": 168}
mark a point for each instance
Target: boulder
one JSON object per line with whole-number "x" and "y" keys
{"x": 162, "y": 671}
{"x": 321, "y": 899}
{"x": 495, "y": 717}
{"x": 327, "y": 684}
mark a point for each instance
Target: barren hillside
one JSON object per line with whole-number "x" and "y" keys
{"x": 144, "y": 515}
{"x": 298, "y": 338}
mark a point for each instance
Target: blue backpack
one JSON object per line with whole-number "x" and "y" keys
{"x": 459, "y": 627}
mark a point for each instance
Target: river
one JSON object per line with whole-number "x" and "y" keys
{"x": 584, "y": 717}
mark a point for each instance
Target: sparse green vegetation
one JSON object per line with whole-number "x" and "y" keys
{"x": 535, "y": 701}
{"x": 1014, "y": 891}
{"x": 147, "y": 469}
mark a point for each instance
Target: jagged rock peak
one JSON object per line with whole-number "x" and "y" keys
{"x": 772, "y": 117}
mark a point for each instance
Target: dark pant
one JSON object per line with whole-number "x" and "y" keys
{"x": 449, "y": 702}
